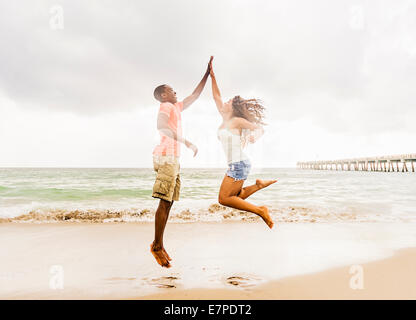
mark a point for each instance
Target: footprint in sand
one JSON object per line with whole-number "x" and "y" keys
{"x": 245, "y": 281}
{"x": 168, "y": 282}
{"x": 116, "y": 279}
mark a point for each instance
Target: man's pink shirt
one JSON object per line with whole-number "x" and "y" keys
{"x": 168, "y": 146}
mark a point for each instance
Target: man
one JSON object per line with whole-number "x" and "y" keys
{"x": 166, "y": 159}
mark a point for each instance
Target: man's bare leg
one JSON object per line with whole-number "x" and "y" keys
{"x": 163, "y": 247}
{"x": 161, "y": 218}
{"x": 260, "y": 184}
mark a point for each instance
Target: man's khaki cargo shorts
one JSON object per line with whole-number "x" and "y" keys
{"x": 168, "y": 183}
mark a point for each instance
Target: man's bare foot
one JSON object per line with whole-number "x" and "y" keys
{"x": 166, "y": 254}
{"x": 264, "y": 183}
{"x": 266, "y": 217}
{"x": 160, "y": 256}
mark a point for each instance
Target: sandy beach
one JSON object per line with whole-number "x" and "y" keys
{"x": 229, "y": 260}
{"x": 391, "y": 278}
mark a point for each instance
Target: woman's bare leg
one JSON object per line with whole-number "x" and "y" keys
{"x": 260, "y": 184}
{"x": 228, "y": 197}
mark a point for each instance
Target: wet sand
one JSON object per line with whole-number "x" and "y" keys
{"x": 391, "y": 278}
{"x": 233, "y": 260}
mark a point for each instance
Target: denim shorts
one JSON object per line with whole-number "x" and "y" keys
{"x": 239, "y": 170}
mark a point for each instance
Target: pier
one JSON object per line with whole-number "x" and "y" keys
{"x": 395, "y": 163}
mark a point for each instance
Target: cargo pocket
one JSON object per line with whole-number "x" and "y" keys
{"x": 164, "y": 181}
{"x": 161, "y": 187}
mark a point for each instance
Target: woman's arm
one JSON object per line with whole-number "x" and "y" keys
{"x": 255, "y": 135}
{"x": 241, "y": 123}
{"x": 253, "y": 131}
{"x": 216, "y": 91}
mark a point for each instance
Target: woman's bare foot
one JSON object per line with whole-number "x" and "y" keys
{"x": 159, "y": 256}
{"x": 266, "y": 217}
{"x": 264, "y": 183}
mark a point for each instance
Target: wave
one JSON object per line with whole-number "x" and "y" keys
{"x": 213, "y": 213}
{"x": 65, "y": 194}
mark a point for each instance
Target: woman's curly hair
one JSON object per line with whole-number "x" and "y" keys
{"x": 250, "y": 109}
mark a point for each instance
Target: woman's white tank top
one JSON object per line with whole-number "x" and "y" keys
{"x": 232, "y": 145}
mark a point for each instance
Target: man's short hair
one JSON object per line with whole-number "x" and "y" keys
{"x": 158, "y": 92}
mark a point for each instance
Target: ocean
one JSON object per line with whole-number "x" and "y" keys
{"x": 38, "y": 195}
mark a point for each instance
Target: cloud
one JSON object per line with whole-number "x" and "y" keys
{"x": 347, "y": 69}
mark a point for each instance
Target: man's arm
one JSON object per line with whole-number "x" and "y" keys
{"x": 163, "y": 127}
{"x": 197, "y": 92}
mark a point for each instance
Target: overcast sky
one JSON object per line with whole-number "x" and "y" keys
{"x": 76, "y": 78}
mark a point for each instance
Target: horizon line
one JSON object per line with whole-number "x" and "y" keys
{"x": 21, "y": 167}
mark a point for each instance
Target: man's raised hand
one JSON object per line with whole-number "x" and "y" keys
{"x": 210, "y": 64}
{"x": 196, "y": 93}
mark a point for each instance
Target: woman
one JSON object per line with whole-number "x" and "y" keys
{"x": 242, "y": 123}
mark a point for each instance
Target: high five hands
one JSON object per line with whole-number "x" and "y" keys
{"x": 211, "y": 71}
